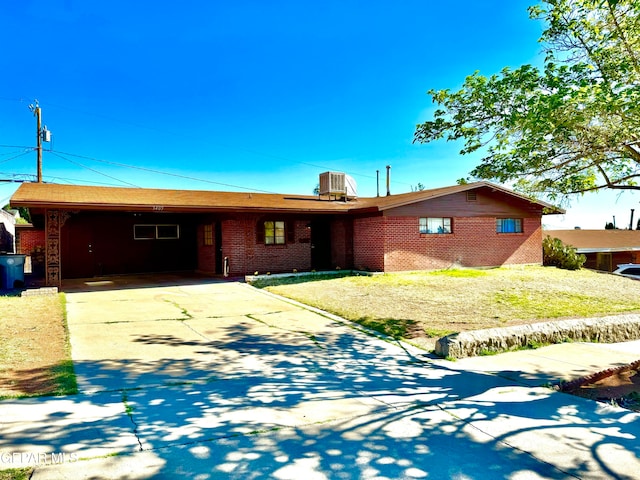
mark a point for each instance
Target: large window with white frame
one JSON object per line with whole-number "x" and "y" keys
{"x": 436, "y": 225}
{"x": 156, "y": 232}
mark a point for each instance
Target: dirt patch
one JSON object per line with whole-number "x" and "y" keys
{"x": 618, "y": 386}
{"x": 34, "y": 353}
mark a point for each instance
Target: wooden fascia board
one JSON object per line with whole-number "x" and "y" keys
{"x": 174, "y": 208}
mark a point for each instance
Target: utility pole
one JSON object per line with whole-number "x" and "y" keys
{"x": 39, "y": 144}
{"x": 42, "y": 134}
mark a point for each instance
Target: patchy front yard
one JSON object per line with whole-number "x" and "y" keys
{"x": 34, "y": 350}
{"x": 427, "y": 305}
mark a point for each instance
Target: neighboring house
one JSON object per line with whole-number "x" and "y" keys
{"x": 92, "y": 231}
{"x": 7, "y": 231}
{"x": 604, "y": 249}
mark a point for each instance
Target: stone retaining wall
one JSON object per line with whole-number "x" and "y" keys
{"x": 619, "y": 328}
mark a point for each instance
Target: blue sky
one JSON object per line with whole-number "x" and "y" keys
{"x": 251, "y": 94}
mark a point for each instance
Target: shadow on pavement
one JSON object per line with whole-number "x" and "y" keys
{"x": 355, "y": 408}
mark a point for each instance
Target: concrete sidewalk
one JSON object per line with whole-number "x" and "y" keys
{"x": 219, "y": 380}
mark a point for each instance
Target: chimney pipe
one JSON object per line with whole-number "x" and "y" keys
{"x": 377, "y": 183}
{"x": 631, "y": 221}
{"x": 388, "y": 180}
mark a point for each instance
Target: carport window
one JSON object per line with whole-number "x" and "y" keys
{"x": 508, "y": 225}
{"x": 156, "y": 232}
{"x": 274, "y": 232}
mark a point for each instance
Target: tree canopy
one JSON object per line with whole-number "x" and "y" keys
{"x": 570, "y": 126}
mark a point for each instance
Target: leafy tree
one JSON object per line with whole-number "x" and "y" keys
{"x": 23, "y": 211}
{"x": 557, "y": 254}
{"x": 417, "y": 188}
{"x": 571, "y": 126}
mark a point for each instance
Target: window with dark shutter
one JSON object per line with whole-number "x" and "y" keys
{"x": 260, "y": 232}
{"x": 291, "y": 231}
{"x": 275, "y": 232}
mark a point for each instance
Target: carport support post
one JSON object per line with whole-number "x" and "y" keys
{"x": 52, "y": 244}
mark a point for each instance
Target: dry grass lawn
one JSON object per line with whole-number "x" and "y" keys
{"x": 34, "y": 349}
{"x": 425, "y": 305}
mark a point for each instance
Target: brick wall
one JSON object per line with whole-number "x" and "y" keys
{"x": 31, "y": 241}
{"x": 473, "y": 243}
{"x": 369, "y": 243}
{"x": 246, "y": 256}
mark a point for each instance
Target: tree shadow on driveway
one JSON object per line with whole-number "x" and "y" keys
{"x": 249, "y": 405}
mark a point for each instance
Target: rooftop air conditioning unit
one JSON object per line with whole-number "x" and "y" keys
{"x": 337, "y": 184}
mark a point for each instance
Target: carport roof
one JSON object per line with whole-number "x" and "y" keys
{"x": 80, "y": 197}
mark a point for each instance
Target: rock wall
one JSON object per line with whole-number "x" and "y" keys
{"x": 618, "y": 328}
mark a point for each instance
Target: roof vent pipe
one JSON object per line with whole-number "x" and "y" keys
{"x": 377, "y": 183}
{"x": 631, "y": 221}
{"x": 388, "y": 180}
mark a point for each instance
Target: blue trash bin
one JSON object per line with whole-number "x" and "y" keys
{"x": 11, "y": 271}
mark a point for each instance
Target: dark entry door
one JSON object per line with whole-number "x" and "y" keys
{"x": 320, "y": 245}
{"x": 218, "y": 242}
{"x": 78, "y": 251}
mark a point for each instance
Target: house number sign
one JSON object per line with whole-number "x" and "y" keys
{"x": 158, "y": 208}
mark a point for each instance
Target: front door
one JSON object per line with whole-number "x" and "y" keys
{"x": 78, "y": 250}
{"x": 218, "y": 244}
{"x": 320, "y": 245}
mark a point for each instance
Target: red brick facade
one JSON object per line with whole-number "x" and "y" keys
{"x": 29, "y": 239}
{"x": 246, "y": 255}
{"x": 369, "y": 243}
{"x": 379, "y": 234}
{"x": 393, "y": 244}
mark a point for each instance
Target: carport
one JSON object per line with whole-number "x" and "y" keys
{"x": 96, "y": 231}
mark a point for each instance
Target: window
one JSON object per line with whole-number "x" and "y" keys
{"x": 508, "y": 225}
{"x": 144, "y": 232}
{"x": 274, "y": 232}
{"x": 167, "y": 232}
{"x": 156, "y": 232}
{"x": 208, "y": 235}
{"x": 435, "y": 225}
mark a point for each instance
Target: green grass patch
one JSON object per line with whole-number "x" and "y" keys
{"x": 532, "y": 305}
{"x": 437, "y": 333}
{"x": 459, "y": 273}
{"x": 392, "y": 327}
{"x": 297, "y": 278}
{"x": 65, "y": 377}
{"x": 16, "y": 473}
{"x": 64, "y": 373}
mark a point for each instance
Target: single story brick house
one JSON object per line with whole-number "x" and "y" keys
{"x": 93, "y": 231}
{"x": 604, "y": 249}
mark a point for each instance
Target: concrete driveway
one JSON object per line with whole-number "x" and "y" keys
{"x": 217, "y": 379}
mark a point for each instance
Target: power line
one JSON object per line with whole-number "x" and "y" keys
{"x": 29, "y": 177}
{"x": 18, "y": 146}
{"x": 93, "y": 170}
{"x": 15, "y": 156}
{"x": 162, "y": 173}
{"x": 232, "y": 147}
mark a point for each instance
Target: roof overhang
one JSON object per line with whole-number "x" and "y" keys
{"x": 78, "y": 197}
